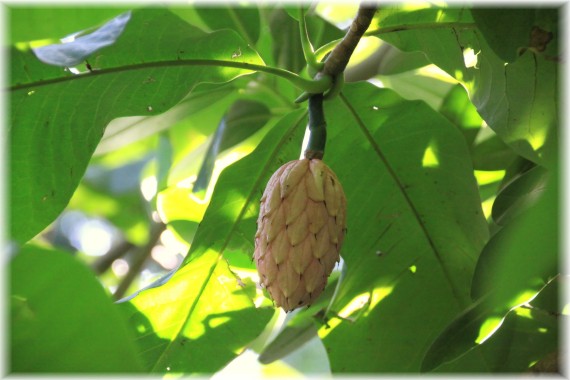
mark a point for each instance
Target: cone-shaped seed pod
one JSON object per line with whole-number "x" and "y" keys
{"x": 300, "y": 229}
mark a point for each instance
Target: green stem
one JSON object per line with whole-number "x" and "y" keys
{"x": 317, "y": 127}
{"x": 312, "y": 86}
{"x": 308, "y": 51}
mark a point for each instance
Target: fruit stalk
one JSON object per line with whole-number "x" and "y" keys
{"x": 317, "y": 128}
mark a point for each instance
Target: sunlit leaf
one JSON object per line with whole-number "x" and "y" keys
{"x": 197, "y": 321}
{"x": 61, "y": 319}
{"x": 50, "y": 152}
{"x": 177, "y": 332}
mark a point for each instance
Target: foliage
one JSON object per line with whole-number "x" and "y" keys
{"x": 168, "y": 130}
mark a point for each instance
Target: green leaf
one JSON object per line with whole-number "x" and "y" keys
{"x": 62, "y": 320}
{"x": 518, "y": 195}
{"x": 395, "y": 61}
{"x": 49, "y": 153}
{"x": 509, "y": 32}
{"x": 513, "y": 267}
{"x": 492, "y": 154}
{"x": 457, "y": 108}
{"x": 185, "y": 312}
{"x": 28, "y": 23}
{"x": 522, "y": 256}
{"x": 300, "y": 326}
{"x": 242, "y": 120}
{"x": 519, "y": 101}
{"x": 197, "y": 321}
{"x": 418, "y": 85}
{"x": 244, "y": 20}
{"x": 415, "y": 228}
{"x": 525, "y": 336}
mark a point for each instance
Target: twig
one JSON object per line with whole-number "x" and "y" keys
{"x": 104, "y": 262}
{"x": 339, "y": 57}
{"x": 140, "y": 257}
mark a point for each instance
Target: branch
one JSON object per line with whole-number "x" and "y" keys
{"x": 339, "y": 57}
{"x": 140, "y": 257}
{"x": 104, "y": 262}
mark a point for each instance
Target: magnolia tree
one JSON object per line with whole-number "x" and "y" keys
{"x": 321, "y": 188}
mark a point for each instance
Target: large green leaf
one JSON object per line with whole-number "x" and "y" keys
{"x": 243, "y": 20}
{"x": 184, "y": 324}
{"x": 457, "y": 108}
{"x": 527, "y": 335}
{"x": 514, "y": 266}
{"x": 29, "y": 23}
{"x": 157, "y": 60}
{"x": 518, "y": 100}
{"x": 415, "y": 229}
{"x": 510, "y": 31}
{"x": 518, "y": 195}
{"x": 62, "y": 320}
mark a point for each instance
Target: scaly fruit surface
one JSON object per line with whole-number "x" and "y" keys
{"x": 300, "y": 230}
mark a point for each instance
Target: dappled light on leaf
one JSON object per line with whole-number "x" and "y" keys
{"x": 430, "y": 159}
{"x": 488, "y": 328}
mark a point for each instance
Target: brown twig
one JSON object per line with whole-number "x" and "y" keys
{"x": 140, "y": 257}
{"x": 339, "y": 57}
{"x": 104, "y": 262}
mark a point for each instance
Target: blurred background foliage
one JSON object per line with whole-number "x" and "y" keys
{"x": 150, "y": 177}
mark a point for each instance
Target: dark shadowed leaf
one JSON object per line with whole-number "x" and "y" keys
{"x": 519, "y": 101}
{"x": 523, "y": 255}
{"x": 300, "y": 326}
{"x": 51, "y": 147}
{"x": 492, "y": 154}
{"x": 510, "y": 31}
{"x": 415, "y": 229}
{"x": 62, "y": 320}
{"x": 243, "y": 20}
{"x": 527, "y": 334}
{"x": 460, "y": 112}
{"x": 518, "y": 195}
{"x": 514, "y": 266}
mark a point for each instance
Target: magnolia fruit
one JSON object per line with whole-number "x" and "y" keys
{"x": 300, "y": 229}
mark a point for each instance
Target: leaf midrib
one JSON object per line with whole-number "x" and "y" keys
{"x": 411, "y": 206}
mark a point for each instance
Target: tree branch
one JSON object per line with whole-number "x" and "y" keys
{"x": 140, "y": 257}
{"x": 104, "y": 262}
{"x": 339, "y": 57}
